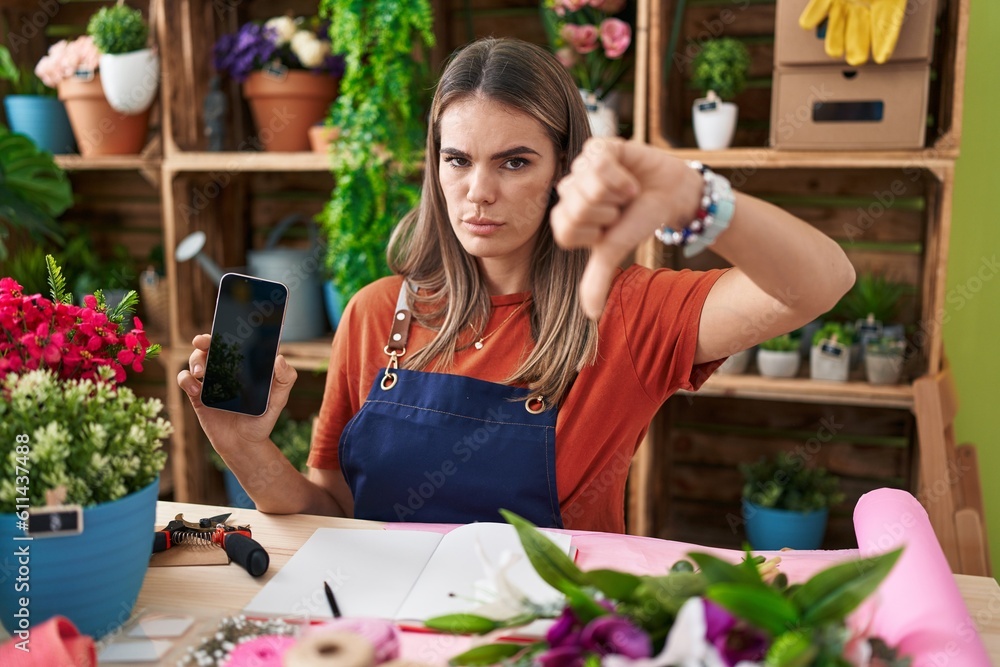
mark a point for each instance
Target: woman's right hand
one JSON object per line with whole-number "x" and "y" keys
{"x": 227, "y": 429}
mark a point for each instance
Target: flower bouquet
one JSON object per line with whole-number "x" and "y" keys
{"x": 703, "y": 612}
{"x": 589, "y": 41}
{"x": 288, "y": 73}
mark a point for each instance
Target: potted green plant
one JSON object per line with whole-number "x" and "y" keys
{"x": 786, "y": 503}
{"x": 292, "y": 437}
{"x": 33, "y": 108}
{"x": 884, "y": 359}
{"x": 380, "y": 113}
{"x": 33, "y": 191}
{"x": 779, "y": 357}
{"x": 78, "y": 437}
{"x": 719, "y": 70}
{"x": 130, "y": 71}
{"x": 830, "y": 357}
{"x": 872, "y": 305}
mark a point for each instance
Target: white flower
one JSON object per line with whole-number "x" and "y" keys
{"x": 309, "y": 49}
{"x": 284, "y": 27}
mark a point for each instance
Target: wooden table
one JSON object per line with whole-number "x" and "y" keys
{"x": 208, "y": 592}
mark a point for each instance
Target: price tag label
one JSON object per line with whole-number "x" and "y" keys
{"x": 835, "y": 350}
{"x": 55, "y": 521}
{"x": 275, "y": 69}
{"x": 866, "y": 328}
{"x": 708, "y": 106}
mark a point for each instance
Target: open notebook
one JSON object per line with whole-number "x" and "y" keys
{"x": 405, "y": 575}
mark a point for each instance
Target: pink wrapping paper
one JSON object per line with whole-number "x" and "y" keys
{"x": 54, "y": 643}
{"x": 919, "y": 606}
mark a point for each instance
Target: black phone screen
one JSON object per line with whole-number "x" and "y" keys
{"x": 245, "y": 335}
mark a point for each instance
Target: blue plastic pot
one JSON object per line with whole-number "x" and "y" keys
{"x": 43, "y": 120}
{"x": 771, "y": 529}
{"x": 92, "y": 578}
{"x": 235, "y": 492}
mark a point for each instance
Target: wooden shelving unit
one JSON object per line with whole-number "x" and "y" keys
{"x": 676, "y": 494}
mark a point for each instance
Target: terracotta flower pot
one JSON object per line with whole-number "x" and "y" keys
{"x": 284, "y": 108}
{"x": 99, "y": 129}
{"x": 321, "y": 136}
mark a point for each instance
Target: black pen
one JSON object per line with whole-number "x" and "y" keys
{"x": 332, "y": 600}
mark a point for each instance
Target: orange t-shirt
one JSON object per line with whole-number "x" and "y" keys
{"x": 647, "y": 336}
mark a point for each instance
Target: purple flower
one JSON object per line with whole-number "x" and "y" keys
{"x": 565, "y": 631}
{"x": 564, "y": 656}
{"x": 616, "y": 635}
{"x": 734, "y": 640}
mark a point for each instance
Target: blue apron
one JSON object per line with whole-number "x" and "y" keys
{"x": 439, "y": 448}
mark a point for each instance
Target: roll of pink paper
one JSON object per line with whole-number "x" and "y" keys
{"x": 382, "y": 634}
{"x": 919, "y": 608}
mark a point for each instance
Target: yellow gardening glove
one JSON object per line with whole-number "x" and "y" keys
{"x": 886, "y": 21}
{"x": 814, "y": 14}
{"x": 858, "y": 33}
{"x": 836, "y": 29}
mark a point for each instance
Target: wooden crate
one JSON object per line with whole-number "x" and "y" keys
{"x": 696, "y": 493}
{"x": 671, "y": 94}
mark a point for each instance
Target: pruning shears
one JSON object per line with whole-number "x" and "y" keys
{"x": 236, "y": 540}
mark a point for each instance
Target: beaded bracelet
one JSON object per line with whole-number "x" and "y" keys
{"x": 714, "y": 214}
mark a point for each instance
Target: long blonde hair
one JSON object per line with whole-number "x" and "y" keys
{"x": 451, "y": 292}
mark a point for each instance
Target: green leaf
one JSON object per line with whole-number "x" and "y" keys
{"x": 658, "y": 599}
{"x": 57, "y": 283}
{"x": 838, "y": 590}
{"x": 718, "y": 571}
{"x": 490, "y": 654}
{"x": 551, "y": 564}
{"x": 762, "y": 607}
{"x": 462, "y": 624}
{"x": 615, "y": 585}
{"x": 792, "y": 649}
{"x": 585, "y": 607}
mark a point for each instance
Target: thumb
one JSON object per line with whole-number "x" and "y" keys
{"x": 595, "y": 284}
{"x": 281, "y": 385}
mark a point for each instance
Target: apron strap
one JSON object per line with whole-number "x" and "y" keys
{"x": 400, "y": 331}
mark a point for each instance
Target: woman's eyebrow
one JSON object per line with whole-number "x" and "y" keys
{"x": 510, "y": 152}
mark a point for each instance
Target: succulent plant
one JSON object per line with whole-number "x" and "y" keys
{"x": 782, "y": 343}
{"x": 786, "y": 482}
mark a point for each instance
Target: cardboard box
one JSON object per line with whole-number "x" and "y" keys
{"x": 844, "y": 108}
{"x": 795, "y": 46}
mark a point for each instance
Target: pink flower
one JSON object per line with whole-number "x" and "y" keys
{"x": 583, "y": 38}
{"x": 566, "y": 56}
{"x": 608, "y": 6}
{"x": 616, "y": 35}
{"x": 570, "y": 5}
{"x": 64, "y": 59}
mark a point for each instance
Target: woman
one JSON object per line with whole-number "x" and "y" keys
{"x": 507, "y": 371}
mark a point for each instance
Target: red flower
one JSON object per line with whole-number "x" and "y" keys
{"x": 11, "y": 287}
{"x": 41, "y": 345}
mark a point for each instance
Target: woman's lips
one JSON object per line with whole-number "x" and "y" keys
{"x": 482, "y": 226}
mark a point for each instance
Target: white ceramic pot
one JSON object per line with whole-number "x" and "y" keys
{"x": 736, "y": 364}
{"x": 883, "y": 368}
{"x": 825, "y": 366}
{"x": 603, "y": 114}
{"x": 775, "y": 364}
{"x": 130, "y": 80}
{"x": 714, "y": 127}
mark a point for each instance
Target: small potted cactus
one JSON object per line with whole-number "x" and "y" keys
{"x": 779, "y": 357}
{"x": 830, "y": 357}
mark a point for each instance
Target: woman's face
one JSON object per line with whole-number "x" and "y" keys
{"x": 497, "y": 168}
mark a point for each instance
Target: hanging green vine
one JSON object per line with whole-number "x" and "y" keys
{"x": 381, "y": 116}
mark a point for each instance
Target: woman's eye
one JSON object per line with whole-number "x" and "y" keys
{"x": 517, "y": 163}
{"x": 456, "y": 161}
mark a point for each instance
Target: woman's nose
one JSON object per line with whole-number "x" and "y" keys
{"x": 482, "y": 187}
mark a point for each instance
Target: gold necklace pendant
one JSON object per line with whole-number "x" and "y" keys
{"x": 481, "y": 342}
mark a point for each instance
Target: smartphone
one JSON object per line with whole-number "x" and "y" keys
{"x": 246, "y": 330}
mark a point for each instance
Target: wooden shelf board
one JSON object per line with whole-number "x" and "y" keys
{"x": 106, "y": 162}
{"x": 805, "y": 390}
{"x": 239, "y": 161}
{"x": 775, "y": 159}
{"x": 302, "y": 355}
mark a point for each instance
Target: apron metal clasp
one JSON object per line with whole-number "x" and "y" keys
{"x": 535, "y": 405}
{"x": 389, "y": 379}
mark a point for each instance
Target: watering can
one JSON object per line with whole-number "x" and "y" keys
{"x": 300, "y": 269}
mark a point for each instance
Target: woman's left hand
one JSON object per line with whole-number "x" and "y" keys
{"x": 616, "y": 194}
